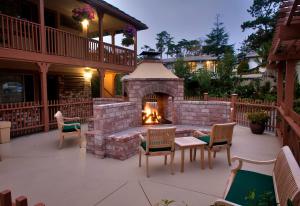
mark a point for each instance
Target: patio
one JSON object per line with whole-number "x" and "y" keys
{"x": 33, "y": 166}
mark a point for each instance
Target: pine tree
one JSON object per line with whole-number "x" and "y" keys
{"x": 162, "y": 38}
{"x": 217, "y": 40}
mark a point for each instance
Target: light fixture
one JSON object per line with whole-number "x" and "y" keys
{"x": 87, "y": 75}
{"x": 85, "y": 23}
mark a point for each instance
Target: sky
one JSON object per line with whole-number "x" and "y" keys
{"x": 189, "y": 19}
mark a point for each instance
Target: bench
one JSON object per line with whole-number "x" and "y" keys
{"x": 248, "y": 187}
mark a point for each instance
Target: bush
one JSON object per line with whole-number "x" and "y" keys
{"x": 243, "y": 67}
{"x": 258, "y": 117}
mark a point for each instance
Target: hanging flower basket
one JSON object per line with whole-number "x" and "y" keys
{"x": 84, "y": 13}
{"x": 128, "y": 33}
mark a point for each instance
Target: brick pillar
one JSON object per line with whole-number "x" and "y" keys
{"x": 43, "y": 69}
{"x": 233, "y": 107}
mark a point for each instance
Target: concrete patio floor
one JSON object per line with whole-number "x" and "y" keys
{"x": 33, "y": 166}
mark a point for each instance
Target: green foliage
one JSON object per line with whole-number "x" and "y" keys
{"x": 204, "y": 80}
{"x": 258, "y": 117}
{"x": 182, "y": 69}
{"x": 265, "y": 199}
{"x": 226, "y": 66}
{"x": 163, "y": 39}
{"x": 127, "y": 41}
{"x": 166, "y": 202}
{"x": 217, "y": 40}
{"x": 243, "y": 67}
{"x": 264, "y": 13}
{"x": 147, "y": 48}
{"x": 119, "y": 84}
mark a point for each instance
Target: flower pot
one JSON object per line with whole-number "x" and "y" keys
{"x": 257, "y": 128}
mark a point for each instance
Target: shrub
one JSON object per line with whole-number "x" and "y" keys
{"x": 258, "y": 117}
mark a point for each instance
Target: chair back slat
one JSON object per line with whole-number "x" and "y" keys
{"x": 161, "y": 138}
{"x": 287, "y": 177}
{"x": 222, "y": 132}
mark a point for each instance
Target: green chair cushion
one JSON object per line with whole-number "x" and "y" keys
{"x": 207, "y": 140}
{"x": 251, "y": 184}
{"x": 71, "y": 128}
{"x": 143, "y": 144}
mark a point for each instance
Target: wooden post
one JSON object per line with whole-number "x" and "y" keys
{"x": 289, "y": 86}
{"x": 101, "y": 45}
{"x": 280, "y": 84}
{"x": 43, "y": 69}
{"x": 101, "y": 73}
{"x": 113, "y": 42}
{"x": 233, "y": 107}
{"x": 5, "y": 198}
{"x": 205, "y": 96}
{"x": 42, "y": 25}
{"x": 135, "y": 49}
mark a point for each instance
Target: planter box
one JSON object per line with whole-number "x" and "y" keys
{"x": 4, "y": 132}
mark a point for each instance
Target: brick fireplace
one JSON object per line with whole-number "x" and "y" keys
{"x": 115, "y": 130}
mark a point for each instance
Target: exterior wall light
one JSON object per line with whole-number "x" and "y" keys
{"x": 88, "y": 75}
{"x": 85, "y": 23}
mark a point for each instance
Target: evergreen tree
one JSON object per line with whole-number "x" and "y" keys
{"x": 217, "y": 40}
{"x": 162, "y": 38}
{"x": 264, "y": 13}
{"x": 147, "y": 48}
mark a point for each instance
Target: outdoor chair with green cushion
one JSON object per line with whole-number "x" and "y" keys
{"x": 220, "y": 136}
{"x": 159, "y": 142}
{"x": 253, "y": 188}
{"x": 68, "y": 127}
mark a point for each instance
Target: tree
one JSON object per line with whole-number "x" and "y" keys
{"x": 182, "y": 69}
{"x": 204, "y": 80}
{"x": 147, "y": 48}
{"x": 264, "y": 13}
{"x": 162, "y": 38}
{"x": 243, "y": 67}
{"x": 217, "y": 40}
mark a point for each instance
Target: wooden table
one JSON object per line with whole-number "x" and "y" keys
{"x": 190, "y": 143}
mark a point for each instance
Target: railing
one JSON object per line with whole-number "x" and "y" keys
{"x": 62, "y": 43}
{"x": 6, "y": 200}
{"x": 24, "y": 117}
{"x": 118, "y": 55}
{"x": 82, "y": 108}
{"x": 19, "y": 34}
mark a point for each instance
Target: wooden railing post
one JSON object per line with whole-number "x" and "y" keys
{"x": 205, "y": 96}
{"x": 43, "y": 69}
{"x": 280, "y": 84}
{"x": 233, "y": 107}
{"x": 42, "y": 25}
{"x": 289, "y": 86}
{"x": 5, "y": 198}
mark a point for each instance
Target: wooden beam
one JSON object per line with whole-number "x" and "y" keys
{"x": 287, "y": 33}
{"x": 135, "y": 48}
{"x": 42, "y": 25}
{"x": 291, "y": 13}
{"x": 100, "y": 27}
{"x": 289, "y": 85}
{"x": 280, "y": 68}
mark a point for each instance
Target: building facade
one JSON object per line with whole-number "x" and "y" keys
{"x": 46, "y": 55}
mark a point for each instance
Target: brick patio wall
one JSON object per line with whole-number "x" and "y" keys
{"x": 101, "y": 101}
{"x": 201, "y": 113}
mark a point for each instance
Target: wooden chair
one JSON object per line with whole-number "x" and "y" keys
{"x": 68, "y": 127}
{"x": 159, "y": 142}
{"x": 220, "y": 136}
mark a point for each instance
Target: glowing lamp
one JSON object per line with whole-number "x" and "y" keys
{"x": 85, "y": 23}
{"x": 87, "y": 75}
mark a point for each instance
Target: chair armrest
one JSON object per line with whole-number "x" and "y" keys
{"x": 73, "y": 124}
{"x": 142, "y": 137}
{"x": 221, "y": 202}
{"x": 257, "y": 162}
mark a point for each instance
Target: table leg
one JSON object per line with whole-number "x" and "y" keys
{"x": 182, "y": 160}
{"x": 202, "y": 157}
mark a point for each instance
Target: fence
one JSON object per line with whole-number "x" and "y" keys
{"x": 242, "y": 106}
{"x": 26, "y": 117}
{"x": 6, "y": 200}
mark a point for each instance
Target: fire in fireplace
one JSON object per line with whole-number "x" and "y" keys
{"x": 150, "y": 113}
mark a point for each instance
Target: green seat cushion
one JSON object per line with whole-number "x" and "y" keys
{"x": 143, "y": 144}
{"x": 71, "y": 128}
{"x": 255, "y": 186}
{"x": 207, "y": 140}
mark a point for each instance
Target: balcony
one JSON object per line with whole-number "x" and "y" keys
{"x": 21, "y": 35}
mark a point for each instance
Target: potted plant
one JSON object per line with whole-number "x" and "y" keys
{"x": 258, "y": 121}
{"x": 128, "y": 34}
{"x": 84, "y": 13}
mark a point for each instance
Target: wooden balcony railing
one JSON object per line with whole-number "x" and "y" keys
{"x": 24, "y": 35}
{"x": 19, "y": 34}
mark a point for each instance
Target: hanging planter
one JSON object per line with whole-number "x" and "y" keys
{"x": 128, "y": 34}
{"x": 83, "y": 14}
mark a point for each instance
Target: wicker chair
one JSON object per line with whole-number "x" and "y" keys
{"x": 220, "y": 136}
{"x": 68, "y": 127}
{"x": 159, "y": 142}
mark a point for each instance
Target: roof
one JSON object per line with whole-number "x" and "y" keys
{"x": 151, "y": 70}
{"x": 286, "y": 41}
{"x": 150, "y": 53}
{"x": 114, "y": 11}
{"x": 192, "y": 58}
{"x": 252, "y": 54}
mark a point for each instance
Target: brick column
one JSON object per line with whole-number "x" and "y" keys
{"x": 205, "y": 96}
{"x": 43, "y": 69}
